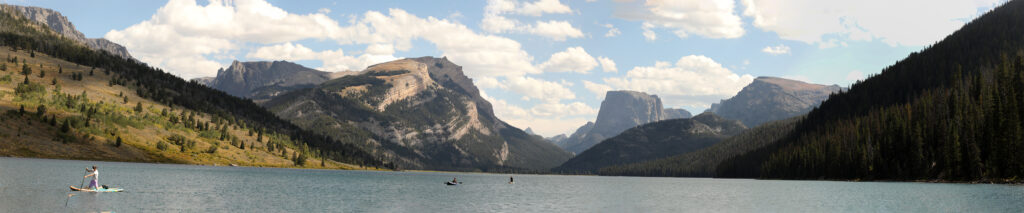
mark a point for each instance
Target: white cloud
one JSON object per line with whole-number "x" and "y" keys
{"x": 543, "y": 6}
{"x": 694, "y": 81}
{"x": 182, "y": 35}
{"x": 598, "y": 89}
{"x": 649, "y": 34}
{"x": 324, "y": 10}
{"x": 612, "y": 31}
{"x": 536, "y": 8}
{"x": 607, "y": 65}
{"x": 561, "y": 118}
{"x": 181, "y": 32}
{"x": 559, "y": 109}
{"x": 536, "y": 89}
{"x": 495, "y": 21}
{"x": 556, "y": 30}
{"x": 831, "y": 23}
{"x": 486, "y": 82}
{"x": 776, "y": 50}
{"x": 573, "y": 59}
{"x": 333, "y": 60}
{"x": 707, "y": 18}
{"x": 854, "y": 75}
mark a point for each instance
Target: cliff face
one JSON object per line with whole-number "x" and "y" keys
{"x": 421, "y": 113}
{"x": 619, "y": 111}
{"x": 769, "y": 98}
{"x": 62, "y": 26}
{"x": 654, "y": 140}
{"x": 264, "y": 79}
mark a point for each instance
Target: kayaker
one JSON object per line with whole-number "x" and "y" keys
{"x": 95, "y": 173}
{"x": 510, "y": 180}
{"x": 455, "y": 180}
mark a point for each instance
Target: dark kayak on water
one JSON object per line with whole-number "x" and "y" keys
{"x": 452, "y": 183}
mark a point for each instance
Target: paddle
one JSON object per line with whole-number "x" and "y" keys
{"x": 68, "y": 199}
{"x": 83, "y": 179}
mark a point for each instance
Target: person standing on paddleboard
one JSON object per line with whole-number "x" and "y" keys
{"x": 95, "y": 173}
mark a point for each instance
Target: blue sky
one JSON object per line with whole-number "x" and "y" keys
{"x": 543, "y": 63}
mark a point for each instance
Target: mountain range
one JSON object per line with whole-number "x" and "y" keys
{"x": 654, "y": 140}
{"x": 422, "y": 113}
{"x": 620, "y": 110}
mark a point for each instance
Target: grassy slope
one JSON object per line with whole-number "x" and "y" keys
{"x": 29, "y": 135}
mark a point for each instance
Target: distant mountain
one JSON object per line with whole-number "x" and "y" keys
{"x": 557, "y": 139}
{"x": 619, "y": 111}
{"x": 529, "y": 131}
{"x": 422, "y": 113}
{"x": 676, "y": 114}
{"x": 654, "y": 140}
{"x": 262, "y": 80}
{"x": 60, "y": 25}
{"x": 770, "y": 98}
{"x": 704, "y": 162}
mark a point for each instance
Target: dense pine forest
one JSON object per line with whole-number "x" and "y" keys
{"x": 154, "y": 84}
{"x": 950, "y": 112}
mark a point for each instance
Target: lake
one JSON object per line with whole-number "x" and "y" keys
{"x": 41, "y": 185}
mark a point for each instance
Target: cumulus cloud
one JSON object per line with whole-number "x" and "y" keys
{"x": 649, "y": 34}
{"x": 573, "y": 59}
{"x": 598, "y": 89}
{"x": 694, "y": 80}
{"x": 546, "y": 119}
{"x": 333, "y": 60}
{"x": 495, "y": 20}
{"x": 708, "y": 18}
{"x": 182, "y": 34}
{"x": 537, "y": 89}
{"x": 776, "y": 50}
{"x": 830, "y": 23}
{"x": 607, "y": 65}
{"x": 612, "y": 31}
{"x": 559, "y": 109}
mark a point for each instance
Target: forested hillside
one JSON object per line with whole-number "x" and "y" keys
{"x": 161, "y": 100}
{"x": 952, "y": 112}
{"x": 703, "y": 162}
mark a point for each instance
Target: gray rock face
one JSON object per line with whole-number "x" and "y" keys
{"x": 619, "y": 111}
{"x": 676, "y": 114}
{"x": 243, "y": 79}
{"x": 770, "y": 98}
{"x": 419, "y": 113}
{"x": 60, "y": 24}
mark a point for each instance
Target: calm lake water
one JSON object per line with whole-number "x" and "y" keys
{"x": 41, "y": 185}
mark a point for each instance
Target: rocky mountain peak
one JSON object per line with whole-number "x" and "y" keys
{"x": 242, "y": 79}
{"x": 619, "y": 111}
{"x": 771, "y": 98}
{"x": 62, "y": 26}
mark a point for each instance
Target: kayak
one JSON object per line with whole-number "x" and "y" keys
{"x": 73, "y": 188}
{"x": 451, "y": 183}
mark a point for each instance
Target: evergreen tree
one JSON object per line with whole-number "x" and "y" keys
{"x": 65, "y": 127}
{"x": 41, "y": 110}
